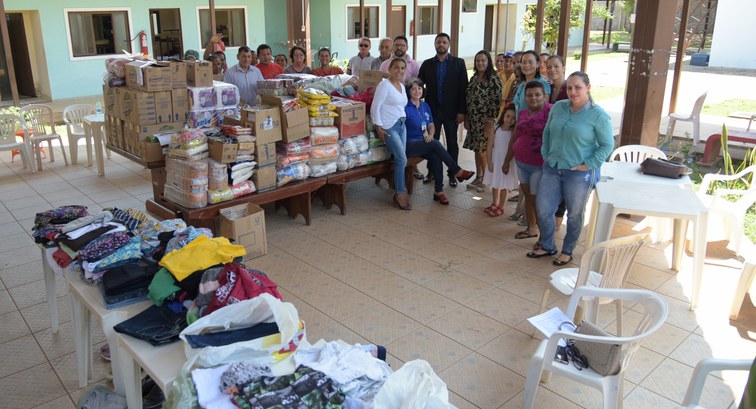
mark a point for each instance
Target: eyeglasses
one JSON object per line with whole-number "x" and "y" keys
{"x": 364, "y": 45}
{"x": 574, "y": 356}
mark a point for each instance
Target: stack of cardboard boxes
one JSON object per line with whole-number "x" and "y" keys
{"x": 153, "y": 101}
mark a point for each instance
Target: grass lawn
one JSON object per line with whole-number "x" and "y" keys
{"x": 603, "y": 93}
{"x": 616, "y": 36}
{"x": 728, "y": 106}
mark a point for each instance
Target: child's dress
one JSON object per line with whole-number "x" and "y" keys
{"x": 497, "y": 179}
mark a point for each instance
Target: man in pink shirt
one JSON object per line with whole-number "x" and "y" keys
{"x": 400, "y": 51}
{"x": 266, "y": 65}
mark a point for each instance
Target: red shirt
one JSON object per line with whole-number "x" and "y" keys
{"x": 329, "y": 70}
{"x": 270, "y": 71}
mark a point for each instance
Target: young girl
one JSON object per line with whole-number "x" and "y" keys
{"x": 501, "y": 181}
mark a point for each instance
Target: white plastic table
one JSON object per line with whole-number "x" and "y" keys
{"x": 93, "y": 129}
{"x": 85, "y": 301}
{"x": 660, "y": 200}
{"x": 49, "y": 273}
{"x": 163, "y": 363}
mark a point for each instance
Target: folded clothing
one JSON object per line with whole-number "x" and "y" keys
{"x": 156, "y": 325}
{"x": 79, "y": 243}
{"x": 99, "y": 218}
{"x": 104, "y": 246}
{"x": 226, "y": 337}
{"x": 129, "y": 277}
{"x": 200, "y": 254}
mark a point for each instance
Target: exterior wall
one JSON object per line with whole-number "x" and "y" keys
{"x": 276, "y": 27}
{"x": 734, "y": 37}
{"x": 65, "y": 77}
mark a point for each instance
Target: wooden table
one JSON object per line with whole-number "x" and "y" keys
{"x": 295, "y": 197}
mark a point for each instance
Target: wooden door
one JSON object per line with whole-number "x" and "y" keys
{"x": 20, "y": 52}
{"x": 398, "y": 21}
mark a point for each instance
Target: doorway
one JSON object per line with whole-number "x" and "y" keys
{"x": 21, "y": 64}
{"x": 398, "y": 21}
{"x": 166, "y": 34}
{"x": 489, "y": 28}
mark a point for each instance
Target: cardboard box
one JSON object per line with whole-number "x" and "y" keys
{"x": 265, "y": 177}
{"x": 109, "y": 101}
{"x": 180, "y": 105}
{"x": 199, "y": 74}
{"x": 222, "y": 152}
{"x": 112, "y": 131}
{"x": 293, "y": 123}
{"x": 265, "y": 153}
{"x": 151, "y": 152}
{"x": 245, "y": 224}
{"x": 135, "y": 134}
{"x": 231, "y": 120}
{"x": 154, "y": 77}
{"x": 351, "y": 119}
{"x": 370, "y": 78}
{"x": 265, "y": 122}
{"x": 144, "y": 108}
{"x": 178, "y": 74}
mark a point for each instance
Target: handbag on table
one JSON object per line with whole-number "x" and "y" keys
{"x": 664, "y": 168}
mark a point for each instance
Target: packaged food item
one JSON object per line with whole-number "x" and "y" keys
{"x": 293, "y": 148}
{"x": 345, "y": 162}
{"x": 187, "y": 169}
{"x": 283, "y": 160}
{"x": 324, "y": 151}
{"x": 378, "y": 154}
{"x": 202, "y": 119}
{"x": 322, "y": 169}
{"x": 219, "y": 195}
{"x": 322, "y": 121}
{"x": 243, "y": 188}
{"x": 323, "y": 135}
{"x": 290, "y": 173}
{"x": 186, "y": 199}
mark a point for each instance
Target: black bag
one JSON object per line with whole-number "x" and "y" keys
{"x": 664, "y": 168}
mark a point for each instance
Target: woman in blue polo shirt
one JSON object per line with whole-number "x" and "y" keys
{"x": 420, "y": 140}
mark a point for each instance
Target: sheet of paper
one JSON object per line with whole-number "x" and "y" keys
{"x": 550, "y": 322}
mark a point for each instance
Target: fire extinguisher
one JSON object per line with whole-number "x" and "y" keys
{"x": 143, "y": 42}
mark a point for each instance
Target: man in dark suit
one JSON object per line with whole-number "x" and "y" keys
{"x": 445, "y": 78}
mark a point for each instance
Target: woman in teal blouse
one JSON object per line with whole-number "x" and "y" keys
{"x": 576, "y": 141}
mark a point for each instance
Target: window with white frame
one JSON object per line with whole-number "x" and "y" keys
{"x": 98, "y": 32}
{"x": 353, "y": 22}
{"x": 229, "y": 22}
{"x": 427, "y": 20}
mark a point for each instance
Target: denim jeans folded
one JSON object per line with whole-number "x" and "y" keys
{"x": 221, "y": 338}
{"x": 156, "y": 325}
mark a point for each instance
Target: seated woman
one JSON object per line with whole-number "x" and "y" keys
{"x": 420, "y": 140}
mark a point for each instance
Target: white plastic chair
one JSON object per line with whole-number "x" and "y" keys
{"x": 73, "y": 116}
{"x": 8, "y": 141}
{"x": 635, "y": 153}
{"x": 655, "y": 312}
{"x": 615, "y": 258}
{"x": 35, "y": 118}
{"x": 724, "y": 214}
{"x": 703, "y": 368}
{"x": 694, "y": 117}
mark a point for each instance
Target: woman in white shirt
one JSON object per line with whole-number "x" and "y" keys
{"x": 388, "y": 117}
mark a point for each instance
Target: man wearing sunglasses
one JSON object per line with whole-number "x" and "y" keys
{"x": 362, "y": 60}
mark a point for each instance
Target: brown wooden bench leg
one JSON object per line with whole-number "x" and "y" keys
{"x": 334, "y": 194}
{"x": 296, "y": 205}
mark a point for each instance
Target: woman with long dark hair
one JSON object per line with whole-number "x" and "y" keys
{"x": 483, "y": 101}
{"x": 530, "y": 70}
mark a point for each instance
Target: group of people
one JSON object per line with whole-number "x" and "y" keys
{"x": 530, "y": 128}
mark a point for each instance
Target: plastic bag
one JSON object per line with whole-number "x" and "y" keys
{"x": 324, "y": 151}
{"x": 378, "y": 154}
{"x": 290, "y": 173}
{"x": 324, "y": 135}
{"x": 413, "y": 386}
{"x": 293, "y": 148}
{"x": 318, "y": 170}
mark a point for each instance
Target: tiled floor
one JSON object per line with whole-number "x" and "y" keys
{"x": 443, "y": 283}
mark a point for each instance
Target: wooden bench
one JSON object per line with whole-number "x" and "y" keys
{"x": 295, "y": 197}
{"x": 714, "y": 144}
{"x": 334, "y": 191}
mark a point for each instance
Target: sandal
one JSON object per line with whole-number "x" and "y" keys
{"x": 537, "y": 245}
{"x": 489, "y": 209}
{"x": 515, "y": 216}
{"x": 524, "y": 235}
{"x": 496, "y": 212}
{"x": 514, "y": 198}
{"x": 558, "y": 262}
{"x": 533, "y": 254}
{"x": 523, "y": 223}
{"x": 418, "y": 176}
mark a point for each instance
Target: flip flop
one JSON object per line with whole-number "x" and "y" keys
{"x": 533, "y": 254}
{"x": 514, "y": 198}
{"x": 558, "y": 262}
{"x": 524, "y": 235}
{"x": 515, "y": 216}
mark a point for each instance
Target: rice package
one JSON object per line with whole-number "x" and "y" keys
{"x": 201, "y": 98}
{"x": 323, "y": 169}
{"x": 290, "y": 173}
{"x": 219, "y": 195}
{"x": 226, "y": 95}
{"x": 293, "y": 148}
{"x": 378, "y": 154}
{"x": 243, "y": 188}
{"x": 345, "y": 162}
{"x": 283, "y": 160}
{"x": 202, "y": 119}
{"x": 354, "y": 145}
{"x": 324, "y": 151}
{"x": 216, "y": 175}
{"x": 323, "y": 135}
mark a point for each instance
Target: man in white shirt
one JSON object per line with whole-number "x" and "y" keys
{"x": 362, "y": 60}
{"x": 400, "y": 51}
{"x": 245, "y": 76}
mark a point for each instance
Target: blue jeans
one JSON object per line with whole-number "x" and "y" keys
{"x": 574, "y": 186}
{"x": 529, "y": 175}
{"x": 435, "y": 153}
{"x": 396, "y": 142}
